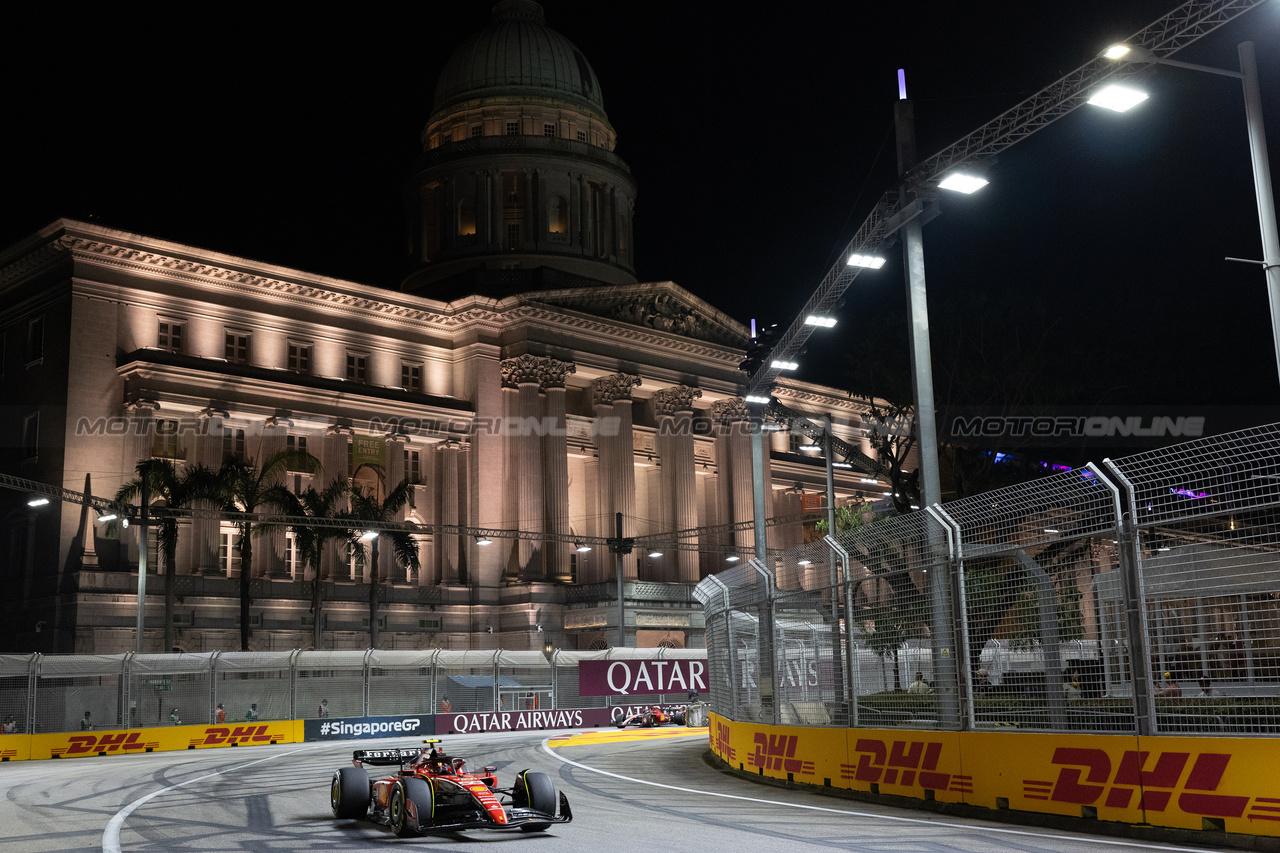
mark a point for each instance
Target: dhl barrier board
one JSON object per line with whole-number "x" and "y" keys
{"x": 1176, "y": 782}
{"x": 133, "y": 741}
{"x": 15, "y": 747}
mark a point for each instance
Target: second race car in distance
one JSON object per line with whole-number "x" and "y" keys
{"x": 433, "y": 792}
{"x": 653, "y": 715}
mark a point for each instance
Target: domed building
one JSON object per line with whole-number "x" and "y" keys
{"x": 518, "y": 170}
{"x": 526, "y": 388}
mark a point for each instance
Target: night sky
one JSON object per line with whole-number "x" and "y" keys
{"x": 1089, "y": 272}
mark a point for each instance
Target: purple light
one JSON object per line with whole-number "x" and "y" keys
{"x": 1190, "y": 493}
{"x": 902, "y": 84}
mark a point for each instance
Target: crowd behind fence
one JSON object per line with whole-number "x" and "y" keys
{"x": 51, "y": 693}
{"x": 1140, "y": 595}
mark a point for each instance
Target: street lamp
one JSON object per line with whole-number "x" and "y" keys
{"x": 1248, "y": 76}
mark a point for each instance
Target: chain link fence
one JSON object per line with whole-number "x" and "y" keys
{"x": 52, "y": 693}
{"x": 1141, "y": 595}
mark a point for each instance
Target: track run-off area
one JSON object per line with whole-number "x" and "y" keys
{"x": 630, "y": 790}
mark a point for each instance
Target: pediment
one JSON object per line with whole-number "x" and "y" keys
{"x": 661, "y": 306}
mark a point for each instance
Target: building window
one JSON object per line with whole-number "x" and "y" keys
{"x": 232, "y": 443}
{"x": 413, "y": 466}
{"x": 356, "y": 367}
{"x": 299, "y": 358}
{"x": 582, "y": 136}
{"x": 513, "y": 236}
{"x": 170, "y": 336}
{"x": 513, "y": 128}
{"x": 558, "y": 215}
{"x": 548, "y": 130}
{"x": 467, "y": 218}
{"x": 164, "y": 443}
{"x": 477, "y": 132}
{"x": 446, "y": 136}
{"x": 30, "y": 436}
{"x": 296, "y": 442}
{"x": 35, "y": 340}
{"x": 236, "y": 349}
{"x": 292, "y": 565}
{"x": 229, "y": 552}
{"x": 411, "y": 377}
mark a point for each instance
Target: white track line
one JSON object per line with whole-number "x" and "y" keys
{"x": 111, "y": 836}
{"x": 1088, "y": 839}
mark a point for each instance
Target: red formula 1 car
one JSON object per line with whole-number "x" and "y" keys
{"x": 654, "y": 715}
{"x": 431, "y": 792}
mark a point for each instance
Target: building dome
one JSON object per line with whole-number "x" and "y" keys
{"x": 518, "y": 55}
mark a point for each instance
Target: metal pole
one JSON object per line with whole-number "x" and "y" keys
{"x": 143, "y": 544}
{"x": 1262, "y": 187}
{"x": 758, "y": 484}
{"x": 617, "y": 559}
{"x": 832, "y": 563}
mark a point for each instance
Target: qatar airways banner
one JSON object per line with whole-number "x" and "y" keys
{"x": 641, "y": 677}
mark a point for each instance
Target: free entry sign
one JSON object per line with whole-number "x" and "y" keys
{"x": 640, "y": 677}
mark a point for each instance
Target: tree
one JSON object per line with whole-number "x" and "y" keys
{"x": 163, "y": 486}
{"x": 310, "y": 539}
{"x": 366, "y": 507}
{"x": 246, "y": 487}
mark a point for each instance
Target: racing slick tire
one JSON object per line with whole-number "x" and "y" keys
{"x": 534, "y": 790}
{"x": 418, "y": 793}
{"x": 349, "y": 793}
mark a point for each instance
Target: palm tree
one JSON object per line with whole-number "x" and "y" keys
{"x": 159, "y": 483}
{"x": 247, "y": 487}
{"x": 309, "y": 540}
{"x": 366, "y": 507}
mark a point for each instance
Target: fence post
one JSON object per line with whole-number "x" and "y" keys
{"x": 124, "y": 691}
{"x": 1135, "y": 603}
{"x": 213, "y": 687}
{"x": 33, "y": 677}
{"x": 852, "y": 664}
{"x": 364, "y": 691}
{"x": 765, "y": 655}
{"x": 959, "y": 612}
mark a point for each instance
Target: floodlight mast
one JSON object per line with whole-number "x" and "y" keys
{"x": 1162, "y": 38}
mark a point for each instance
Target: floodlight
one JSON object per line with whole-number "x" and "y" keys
{"x": 580, "y": 548}
{"x": 819, "y": 320}
{"x": 811, "y": 446}
{"x": 483, "y": 540}
{"x": 369, "y": 535}
{"x": 779, "y": 364}
{"x": 871, "y": 262}
{"x": 757, "y": 398}
{"x": 655, "y": 553}
{"x": 804, "y": 561}
{"x": 961, "y": 183}
{"x": 732, "y": 558}
{"x": 1117, "y": 51}
{"x": 1117, "y": 97}
{"x": 37, "y": 502}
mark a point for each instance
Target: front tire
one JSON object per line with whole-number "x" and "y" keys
{"x": 349, "y": 793}
{"x": 534, "y": 790}
{"x": 411, "y": 807}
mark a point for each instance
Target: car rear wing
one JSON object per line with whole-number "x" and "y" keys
{"x": 384, "y": 757}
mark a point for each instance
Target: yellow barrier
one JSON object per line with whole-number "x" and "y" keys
{"x": 160, "y": 739}
{"x": 1177, "y": 782}
{"x": 15, "y": 747}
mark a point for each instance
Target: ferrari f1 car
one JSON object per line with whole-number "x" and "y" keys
{"x": 654, "y": 715}
{"x": 432, "y": 792}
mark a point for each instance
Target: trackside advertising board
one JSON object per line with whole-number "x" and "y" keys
{"x": 349, "y": 728}
{"x": 1180, "y": 782}
{"x": 126, "y": 741}
{"x": 640, "y": 677}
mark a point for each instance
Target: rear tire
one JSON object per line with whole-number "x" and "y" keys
{"x": 534, "y": 790}
{"x": 413, "y": 792}
{"x": 349, "y": 793}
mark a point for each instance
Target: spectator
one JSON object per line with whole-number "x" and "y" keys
{"x": 1207, "y": 690}
{"x": 919, "y": 685}
{"x": 175, "y": 718}
{"x": 1170, "y": 688}
{"x": 445, "y": 705}
{"x": 251, "y": 716}
{"x": 10, "y": 727}
{"x": 86, "y": 725}
{"x": 323, "y": 710}
{"x": 981, "y": 683}
{"x": 1070, "y": 688}
{"x": 221, "y": 714}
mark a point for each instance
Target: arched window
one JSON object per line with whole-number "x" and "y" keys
{"x": 467, "y": 218}
{"x": 558, "y": 215}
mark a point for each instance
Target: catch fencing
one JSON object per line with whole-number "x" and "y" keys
{"x": 1140, "y": 595}
{"x": 52, "y": 693}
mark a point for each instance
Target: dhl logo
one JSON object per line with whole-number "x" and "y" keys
{"x": 233, "y": 736}
{"x": 104, "y": 744}
{"x": 777, "y": 752}
{"x": 1155, "y": 782}
{"x": 720, "y": 741}
{"x": 8, "y": 754}
{"x": 906, "y": 763}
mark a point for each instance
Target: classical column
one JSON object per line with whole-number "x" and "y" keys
{"x": 589, "y": 570}
{"x": 674, "y": 407}
{"x": 334, "y": 565}
{"x": 206, "y": 528}
{"x": 733, "y": 456}
{"x": 426, "y": 500}
{"x": 612, "y": 397}
{"x": 495, "y": 211}
{"x": 268, "y": 551}
{"x": 555, "y": 466}
{"x": 448, "y": 504}
{"x": 393, "y": 462}
{"x": 137, "y": 448}
{"x": 523, "y": 374}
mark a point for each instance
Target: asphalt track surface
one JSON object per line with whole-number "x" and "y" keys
{"x": 652, "y": 791}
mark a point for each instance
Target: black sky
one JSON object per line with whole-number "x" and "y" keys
{"x": 759, "y": 141}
